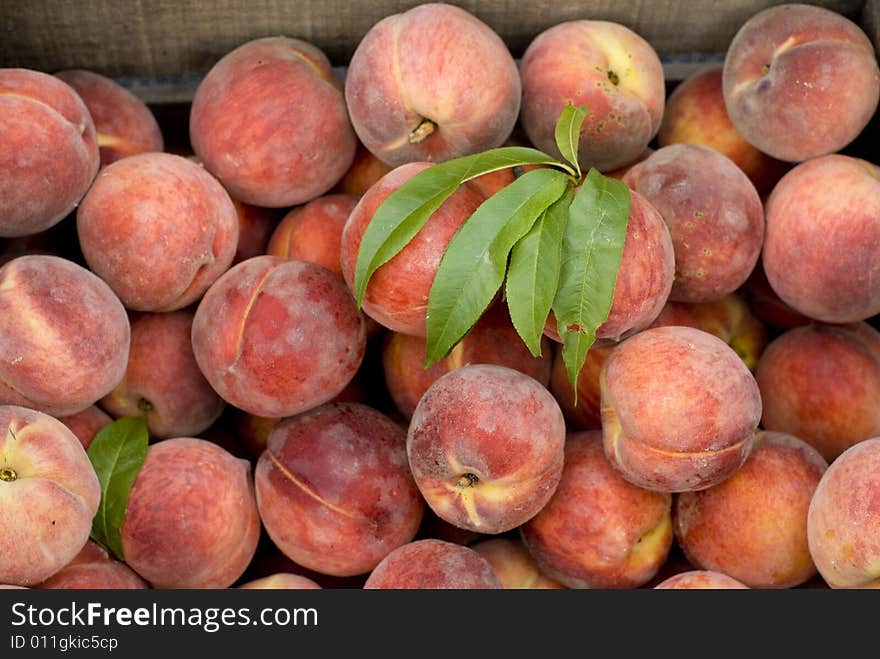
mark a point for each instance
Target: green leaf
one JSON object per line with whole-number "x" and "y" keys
{"x": 406, "y": 210}
{"x": 591, "y": 250}
{"x": 473, "y": 265}
{"x": 533, "y": 273}
{"x": 568, "y": 133}
{"x": 117, "y": 453}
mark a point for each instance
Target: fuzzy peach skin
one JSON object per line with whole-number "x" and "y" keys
{"x": 843, "y": 523}
{"x": 714, "y": 215}
{"x": 252, "y": 431}
{"x": 158, "y": 229}
{"x": 124, "y": 124}
{"x": 605, "y": 66}
{"x": 731, "y": 320}
{"x": 48, "y": 151}
{"x": 277, "y": 337}
{"x": 281, "y": 581}
{"x": 191, "y": 519}
{"x": 767, "y": 305}
{"x": 86, "y": 424}
{"x": 728, "y": 318}
{"x": 822, "y": 251}
{"x": 255, "y": 227}
{"x": 695, "y": 114}
{"x": 586, "y": 413}
{"x": 365, "y": 170}
{"x": 700, "y": 580}
{"x": 513, "y": 564}
{"x": 64, "y": 335}
{"x": 433, "y": 564}
{"x": 753, "y": 526}
{"x": 269, "y": 120}
{"x": 94, "y": 569}
{"x": 397, "y": 293}
{"x": 334, "y": 489}
{"x": 313, "y": 232}
{"x": 598, "y": 530}
{"x": 679, "y": 409}
{"x": 822, "y": 384}
{"x": 644, "y": 277}
{"x": 432, "y": 83}
{"x": 485, "y": 445}
{"x": 48, "y": 494}
{"x": 800, "y": 81}
{"x": 162, "y": 381}
{"x": 492, "y": 340}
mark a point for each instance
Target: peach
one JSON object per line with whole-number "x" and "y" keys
{"x": 64, "y": 335}
{"x": 269, "y": 120}
{"x": 397, "y": 293}
{"x": 485, "y": 445}
{"x": 515, "y": 567}
{"x": 255, "y": 227}
{"x": 365, "y": 170}
{"x": 163, "y": 381}
{"x": 753, "y": 526}
{"x": 433, "y": 564}
{"x": 822, "y": 383}
{"x": 700, "y": 580}
{"x": 191, "y": 519}
{"x": 586, "y": 413}
{"x": 313, "y": 232}
{"x": 158, "y": 229}
{"x": 124, "y": 124}
{"x": 782, "y": 84}
{"x": 49, "y": 493}
{"x": 843, "y": 522}
{"x": 86, "y": 424}
{"x": 280, "y": 581}
{"x": 714, "y": 215}
{"x": 644, "y": 277}
{"x": 728, "y": 318}
{"x": 48, "y": 151}
{"x": 767, "y": 305}
{"x": 431, "y": 83}
{"x": 695, "y": 114}
{"x": 492, "y": 340}
{"x": 252, "y": 431}
{"x": 275, "y": 337}
{"x": 620, "y": 172}
{"x": 822, "y": 252}
{"x": 679, "y": 409}
{"x": 94, "y": 569}
{"x": 731, "y": 320}
{"x": 334, "y": 490}
{"x": 605, "y": 66}
{"x": 598, "y": 530}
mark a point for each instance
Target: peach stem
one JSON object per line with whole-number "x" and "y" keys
{"x": 8, "y": 474}
{"x": 467, "y": 480}
{"x": 420, "y": 132}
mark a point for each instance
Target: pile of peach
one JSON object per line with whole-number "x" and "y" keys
{"x": 725, "y": 431}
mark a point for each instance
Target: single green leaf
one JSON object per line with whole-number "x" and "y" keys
{"x": 473, "y": 265}
{"x": 568, "y": 133}
{"x": 117, "y": 454}
{"x": 406, "y": 210}
{"x": 592, "y": 246}
{"x": 533, "y": 273}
